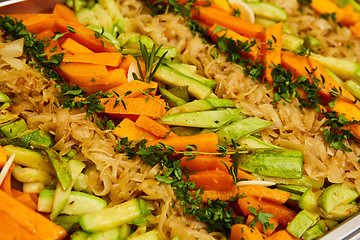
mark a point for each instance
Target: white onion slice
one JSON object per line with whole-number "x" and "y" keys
{"x": 15, "y": 62}
{"x": 13, "y": 49}
{"x": 133, "y": 68}
{"x": 255, "y": 183}
{"x": 6, "y": 168}
{"x": 246, "y": 12}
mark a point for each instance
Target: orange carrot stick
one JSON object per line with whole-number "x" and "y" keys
{"x": 253, "y": 54}
{"x": 152, "y": 126}
{"x": 153, "y": 108}
{"x": 211, "y": 15}
{"x": 242, "y": 231}
{"x": 85, "y": 74}
{"x": 210, "y": 162}
{"x": 282, "y": 235}
{"x": 260, "y": 227}
{"x": 27, "y": 221}
{"x": 204, "y": 142}
{"x": 83, "y": 35}
{"x": 281, "y": 213}
{"x": 134, "y": 88}
{"x": 128, "y": 128}
{"x": 271, "y": 54}
{"x": 213, "y": 180}
{"x": 36, "y": 22}
{"x": 66, "y": 13}
{"x": 3, "y": 157}
{"x": 268, "y": 194}
{"x": 104, "y": 58}
{"x": 74, "y": 47}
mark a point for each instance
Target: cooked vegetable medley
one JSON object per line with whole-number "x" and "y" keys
{"x": 221, "y": 119}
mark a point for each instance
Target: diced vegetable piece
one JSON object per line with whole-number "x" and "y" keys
{"x": 353, "y": 87}
{"x": 111, "y": 234}
{"x": 269, "y": 11}
{"x": 172, "y": 78}
{"x": 114, "y": 216}
{"x": 241, "y": 231}
{"x": 272, "y": 221}
{"x": 281, "y": 235}
{"x": 301, "y": 223}
{"x": 312, "y": 43}
{"x": 30, "y": 137}
{"x": 343, "y": 68}
{"x": 243, "y": 127}
{"x": 213, "y": 180}
{"x": 12, "y": 129}
{"x": 61, "y": 196}
{"x": 67, "y": 222}
{"x": 291, "y": 42}
{"x": 65, "y": 12}
{"x": 184, "y": 69}
{"x": 335, "y": 195}
{"x": 309, "y": 200}
{"x": 206, "y": 142}
{"x": 150, "y": 235}
{"x": 133, "y": 88}
{"x": 153, "y": 108}
{"x": 152, "y": 126}
{"x": 128, "y": 128}
{"x": 273, "y": 162}
{"x": 251, "y": 142}
{"x": 318, "y": 230}
{"x": 173, "y": 100}
{"x": 30, "y": 175}
{"x": 78, "y": 203}
{"x": 79, "y": 235}
{"x": 268, "y": 194}
{"x": 105, "y": 34}
{"x": 29, "y": 158}
{"x": 211, "y": 15}
{"x": 61, "y": 167}
{"x": 14, "y": 213}
{"x": 281, "y": 213}
{"x": 303, "y": 181}
{"x": 342, "y": 212}
{"x": 103, "y": 58}
{"x": 271, "y": 54}
{"x": 202, "y": 119}
{"x": 202, "y": 105}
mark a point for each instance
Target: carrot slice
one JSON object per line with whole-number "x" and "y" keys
{"x": 36, "y": 22}
{"x": 272, "y": 54}
{"x": 3, "y": 157}
{"x": 104, "y": 58}
{"x": 132, "y": 89}
{"x": 241, "y": 231}
{"x": 206, "y": 142}
{"x": 74, "y": 47}
{"x": 27, "y": 221}
{"x": 83, "y": 35}
{"x": 66, "y": 13}
{"x": 211, "y": 15}
{"x": 128, "y": 128}
{"x": 213, "y": 180}
{"x": 254, "y": 52}
{"x": 152, "y": 126}
{"x": 268, "y": 194}
{"x": 282, "y": 235}
{"x": 85, "y": 74}
{"x": 153, "y": 108}
{"x": 260, "y": 227}
{"x": 281, "y": 213}
{"x": 210, "y": 162}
